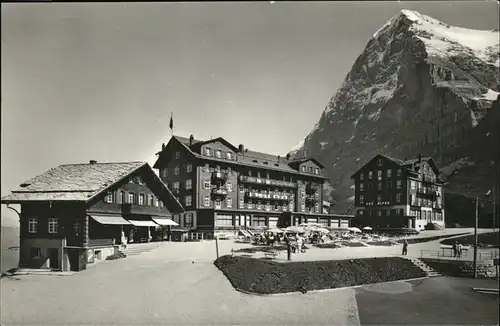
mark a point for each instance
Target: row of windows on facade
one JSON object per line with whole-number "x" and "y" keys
{"x": 251, "y": 205}
{"x": 379, "y": 198}
{"x": 427, "y": 215}
{"x": 188, "y": 168}
{"x": 256, "y": 221}
{"x": 53, "y": 225}
{"x": 133, "y": 198}
{"x": 380, "y": 185}
{"x": 380, "y": 174}
{"x": 188, "y": 219}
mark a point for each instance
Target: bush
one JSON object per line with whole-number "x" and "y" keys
{"x": 266, "y": 277}
{"x": 433, "y": 226}
{"x": 118, "y": 255}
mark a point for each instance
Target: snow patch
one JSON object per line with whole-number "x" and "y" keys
{"x": 350, "y": 139}
{"x": 297, "y": 147}
{"x": 375, "y": 115}
{"x": 323, "y": 144}
{"x": 490, "y": 95}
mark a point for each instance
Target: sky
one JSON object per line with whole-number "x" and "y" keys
{"x": 84, "y": 81}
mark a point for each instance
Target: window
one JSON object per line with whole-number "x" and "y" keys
{"x": 398, "y": 198}
{"x": 189, "y": 184}
{"x": 35, "y": 252}
{"x": 401, "y": 211}
{"x": 218, "y": 153}
{"x": 176, "y": 185}
{"x": 122, "y": 197}
{"x": 361, "y": 212}
{"x": 208, "y": 151}
{"x": 389, "y": 173}
{"x": 164, "y": 172}
{"x": 316, "y": 171}
{"x": 139, "y": 180}
{"x": 302, "y": 207}
{"x": 379, "y": 175}
{"x": 398, "y": 212}
{"x": 379, "y": 213}
{"x": 370, "y": 175}
{"x": 229, "y": 186}
{"x": 399, "y": 172}
{"x": 310, "y": 169}
{"x": 141, "y": 199}
{"x": 389, "y": 184}
{"x": 188, "y": 220}
{"x": 302, "y": 169}
{"x": 361, "y": 186}
{"x": 379, "y": 162}
{"x": 206, "y": 184}
{"x": 189, "y": 168}
{"x": 224, "y": 220}
{"x": 188, "y": 200}
{"x": 361, "y": 176}
{"x": 161, "y": 203}
{"x": 316, "y": 208}
{"x": 176, "y": 170}
{"x": 156, "y": 202}
{"x": 413, "y": 185}
{"x": 77, "y": 228}
{"x": 379, "y": 186}
{"x": 259, "y": 205}
{"x": 131, "y": 197}
{"x": 53, "y": 225}
{"x": 32, "y": 225}
{"x": 379, "y": 198}
{"x": 229, "y": 202}
{"x": 398, "y": 184}
{"x": 150, "y": 200}
{"x": 109, "y": 197}
{"x": 302, "y": 194}
{"x": 218, "y": 204}
{"x": 229, "y": 155}
{"x": 177, "y": 154}
{"x": 259, "y": 221}
{"x": 291, "y": 206}
{"x": 206, "y": 201}
{"x": 361, "y": 199}
{"x": 241, "y": 203}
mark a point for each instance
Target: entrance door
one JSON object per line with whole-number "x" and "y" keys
{"x": 54, "y": 258}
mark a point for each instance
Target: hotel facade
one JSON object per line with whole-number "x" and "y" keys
{"x": 224, "y": 187}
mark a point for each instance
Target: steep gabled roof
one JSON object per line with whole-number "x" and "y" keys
{"x": 296, "y": 163}
{"x": 79, "y": 182}
{"x": 247, "y": 157}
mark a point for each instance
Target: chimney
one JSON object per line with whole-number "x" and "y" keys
{"x": 93, "y": 162}
{"x": 241, "y": 148}
{"x": 163, "y": 146}
{"x": 288, "y": 156}
{"x": 191, "y": 139}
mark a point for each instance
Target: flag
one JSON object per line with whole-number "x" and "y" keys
{"x": 171, "y": 125}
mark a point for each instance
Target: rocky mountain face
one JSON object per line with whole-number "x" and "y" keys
{"x": 420, "y": 86}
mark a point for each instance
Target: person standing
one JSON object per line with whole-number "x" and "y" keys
{"x": 405, "y": 247}
{"x": 455, "y": 249}
{"x": 459, "y": 251}
{"x": 288, "y": 248}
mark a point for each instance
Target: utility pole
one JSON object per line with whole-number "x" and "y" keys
{"x": 217, "y": 245}
{"x": 475, "y": 237}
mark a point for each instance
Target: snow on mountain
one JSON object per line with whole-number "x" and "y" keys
{"x": 420, "y": 85}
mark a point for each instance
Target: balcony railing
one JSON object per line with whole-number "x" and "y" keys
{"x": 219, "y": 192}
{"x": 270, "y": 182}
{"x": 310, "y": 200}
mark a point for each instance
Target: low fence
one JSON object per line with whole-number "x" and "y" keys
{"x": 467, "y": 254}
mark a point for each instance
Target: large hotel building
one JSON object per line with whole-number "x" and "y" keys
{"x": 390, "y": 192}
{"x": 227, "y": 187}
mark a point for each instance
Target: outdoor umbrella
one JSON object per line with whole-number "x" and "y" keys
{"x": 367, "y": 228}
{"x": 322, "y": 230}
{"x": 294, "y": 229}
{"x": 355, "y": 230}
{"x": 312, "y": 224}
{"x": 275, "y": 230}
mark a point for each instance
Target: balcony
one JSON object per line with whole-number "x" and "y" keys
{"x": 268, "y": 182}
{"x": 311, "y": 189}
{"x": 219, "y": 192}
{"x": 219, "y": 176}
{"x": 268, "y": 196}
{"x": 310, "y": 200}
{"x": 428, "y": 180}
{"x": 427, "y": 193}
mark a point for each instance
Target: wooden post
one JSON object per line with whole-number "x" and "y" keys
{"x": 475, "y": 237}
{"x": 217, "y": 246}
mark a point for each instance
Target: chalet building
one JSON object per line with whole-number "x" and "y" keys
{"x": 398, "y": 193}
{"x": 225, "y": 187}
{"x": 76, "y": 214}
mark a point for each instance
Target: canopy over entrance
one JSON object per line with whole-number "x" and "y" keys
{"x": 143, "y": 223}
{"x": 165, "y": 221}
{"x": 109, "y": 219}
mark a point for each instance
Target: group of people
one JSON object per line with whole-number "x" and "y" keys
{"x": 292, "y": 246}
{"x": 457, "y": 250}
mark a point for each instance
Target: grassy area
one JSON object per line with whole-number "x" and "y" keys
{"x": 484, "y": 240}
{"x": 267, "y": 277}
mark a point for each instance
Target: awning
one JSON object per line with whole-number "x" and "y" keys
{"x": 142, "y": 223}
{"x": 110, "y": 219}
{"x": 165, "y": 221}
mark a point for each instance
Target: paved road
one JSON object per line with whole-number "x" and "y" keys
{"x": 162, "y": 287}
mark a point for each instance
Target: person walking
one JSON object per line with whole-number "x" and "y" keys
{"x": 405, "y": 247}
{"x": 455, "y": 249}
{"x": 459, "y": 251}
